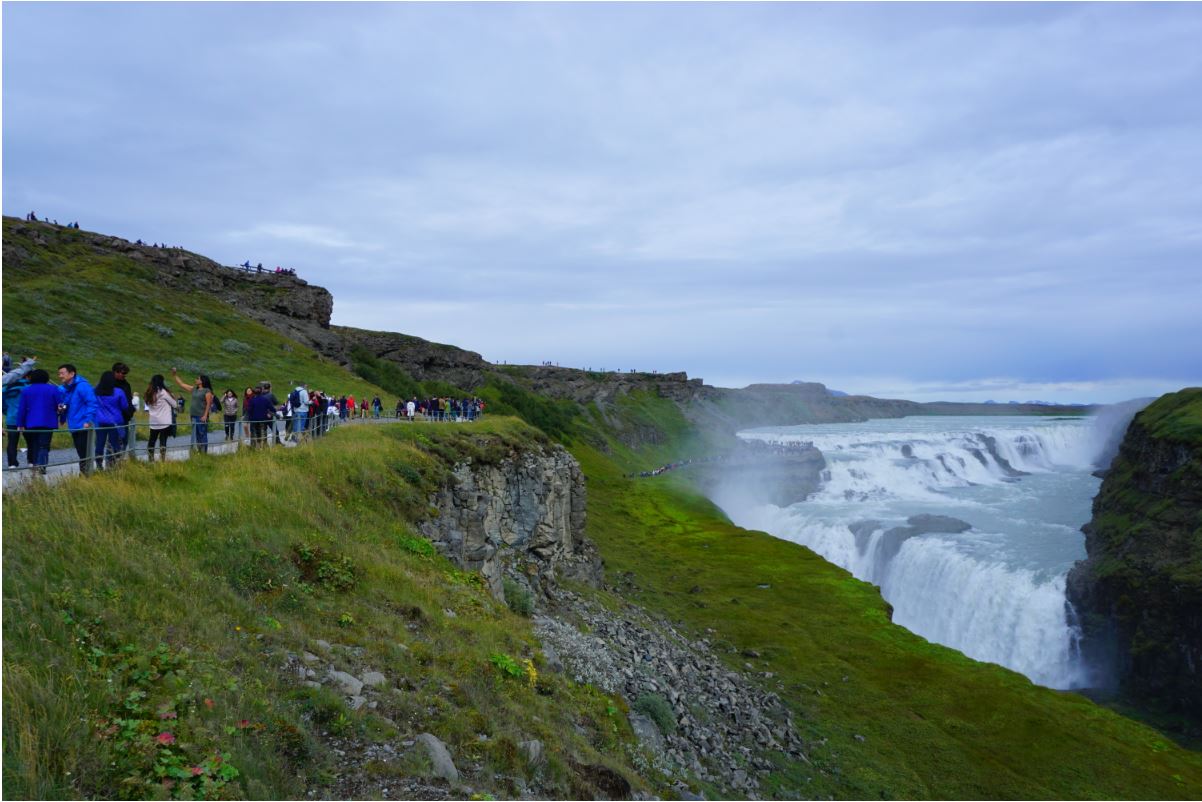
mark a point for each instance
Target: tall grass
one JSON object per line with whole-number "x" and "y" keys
{"x": 201, "y": 556}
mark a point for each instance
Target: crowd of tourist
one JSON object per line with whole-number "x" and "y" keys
{"x": 100, "y": 417}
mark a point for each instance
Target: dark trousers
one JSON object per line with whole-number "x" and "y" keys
{"x": 110, "y": 437}
{"x": 230, "y": 424}
{"x": 159, "y": 437}
{"x": 38, "y": 443}
{"x": 13, "y": 447}
{"x": 79, "y": 437}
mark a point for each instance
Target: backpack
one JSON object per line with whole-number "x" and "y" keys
{"x": 294, "y": 399}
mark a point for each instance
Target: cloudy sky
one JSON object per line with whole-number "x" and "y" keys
{"x": 924, "y": 201}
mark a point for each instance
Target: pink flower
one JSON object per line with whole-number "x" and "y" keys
{"x": 244, "y": 723}
{"x": 209, "y": 703}
{"x": 168, "y": 715}
{"x": 197, "y": 771}
{"x": 165, "y": 738}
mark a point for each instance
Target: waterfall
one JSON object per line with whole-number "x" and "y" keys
{"x": 994, "y": 591}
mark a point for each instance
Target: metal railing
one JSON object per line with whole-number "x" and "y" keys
{"x": 134, "y": 437}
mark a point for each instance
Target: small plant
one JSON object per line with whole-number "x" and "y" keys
{"x": 346, "y": 620}
{"x": 159, "y": 329}
{"x": 507, "y": 665}
{"x": 416, "y": 545}
{"x": 519, "y": 599}
{"x": 330, "y": 571}
{"x": 236, "y": 347}
{"x": 656, "y": 708}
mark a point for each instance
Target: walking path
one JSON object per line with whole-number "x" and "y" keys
{"x": 64, "y": 462}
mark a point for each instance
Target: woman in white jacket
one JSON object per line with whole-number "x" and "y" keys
{"x": 161, "y": 405}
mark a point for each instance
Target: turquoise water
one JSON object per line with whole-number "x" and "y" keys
{"x": 996, "y": 591}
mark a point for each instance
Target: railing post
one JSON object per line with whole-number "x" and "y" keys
{"x": 91, "y": 441}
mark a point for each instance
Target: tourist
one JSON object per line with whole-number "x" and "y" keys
{"x": 262, "y": 411}
{"x": 112, "y": 405}
{"x": 363, "y": 408}
{"x": 77, "y": 406}
{"x": 128, "y": 431}
{"x": 411, "y": 408}
{"x": 247, "y": 395}
{"x": 12, "y": 402}
{"x": 161, "y": 406}
{"x": 229, "y": 412}
{"x": 37, "y": 417}
{"x": 202, "y": 405}
{"x": 298, "y": 401}
{"x": 350, "y": 407}
{"x": 265, "y": 390}
{"x": 11, "y": 374}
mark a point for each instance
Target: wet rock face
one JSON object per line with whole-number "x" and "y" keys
{"x": 1138, "y": 594}
{"x": 524, "y": 515}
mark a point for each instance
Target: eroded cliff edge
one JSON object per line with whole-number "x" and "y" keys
{"x": 1139, "y": 591}
{"x": 520, "y": 516}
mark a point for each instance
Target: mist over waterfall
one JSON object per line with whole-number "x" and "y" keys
{"x": 968, "y": 526}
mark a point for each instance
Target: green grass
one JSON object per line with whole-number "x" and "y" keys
{"x": 935, "y": 723}
{"x": 1176, "y": 416}
{"x": 230, "y": 562}
{"x": 67, "y": 303}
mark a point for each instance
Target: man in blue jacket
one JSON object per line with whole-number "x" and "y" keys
{"x": 78, "y": 406}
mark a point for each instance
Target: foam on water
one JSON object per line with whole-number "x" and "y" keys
{"x": 995, "y": 592}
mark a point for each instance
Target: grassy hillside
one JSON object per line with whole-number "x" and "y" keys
{"x": 167, "y": 598}
{"x": 934, "y": 724}
{"x": 175, "y": 599}
{"x": 70, "y": 304}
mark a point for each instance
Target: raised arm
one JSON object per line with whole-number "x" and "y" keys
{"x": 179, "y": 381}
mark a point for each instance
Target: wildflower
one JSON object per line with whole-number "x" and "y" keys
{"x": 170, "y": 714}
{"x": 197, "y": 771}
{"x": 165, "y": 738}
{"x": 244, "y": 723}
{"x": 209, "y": 704}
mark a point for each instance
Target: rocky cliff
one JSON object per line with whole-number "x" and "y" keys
{"x": 1139, "y": 592}
{"x": 285, "y": 303}
{"x": 522, "y": 516}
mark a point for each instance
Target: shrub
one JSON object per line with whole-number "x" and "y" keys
{"x": 416, "y": 545}
{"x": 519, "y": 599}
{"x": 331, "y": 571}
{"x": 159, "y": 329}
{"x": 656, "y": 708}
{"x": 235, "y": 347}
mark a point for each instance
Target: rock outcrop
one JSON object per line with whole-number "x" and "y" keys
{"x": 523, "y": 516}
{"x": 1139, "y": 592}
{"x": 285, "y": 303}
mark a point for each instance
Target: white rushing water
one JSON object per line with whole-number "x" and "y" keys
{"x": 995, "y": 591}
